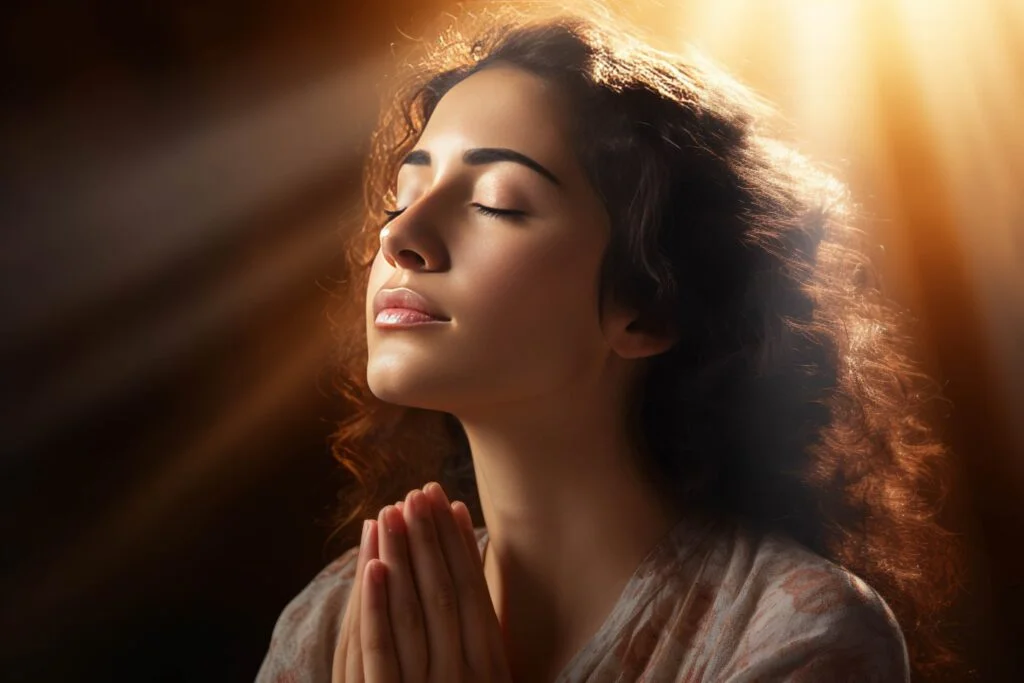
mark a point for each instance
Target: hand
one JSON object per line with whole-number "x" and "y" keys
{"x": 348, "y": 662}
{"x": 420, "y": 610}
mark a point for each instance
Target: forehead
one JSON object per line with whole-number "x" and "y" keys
{"x": 503, "y": 106}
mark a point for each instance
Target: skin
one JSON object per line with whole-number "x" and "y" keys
{"x": 533, "y": 369}
{"x": 420, "y": 608}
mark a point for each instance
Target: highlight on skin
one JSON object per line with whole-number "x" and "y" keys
{"x": 789, "y": 401}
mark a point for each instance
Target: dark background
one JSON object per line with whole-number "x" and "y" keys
{"x": 175, "y": 179}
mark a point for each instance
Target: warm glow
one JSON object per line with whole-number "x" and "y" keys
{"x": 916, "y": 104}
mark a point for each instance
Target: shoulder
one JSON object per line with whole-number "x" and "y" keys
{"x": 302, "y": 643}
{"x": 800, "y": 617}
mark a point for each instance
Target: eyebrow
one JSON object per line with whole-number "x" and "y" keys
{"x": 485, "y": 155}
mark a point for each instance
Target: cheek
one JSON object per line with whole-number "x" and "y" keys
{"x": 535, "y": 301}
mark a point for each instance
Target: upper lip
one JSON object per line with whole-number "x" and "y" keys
{"x": 402, "y": 297}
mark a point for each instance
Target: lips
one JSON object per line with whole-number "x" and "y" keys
{"x": 404, "y": 306}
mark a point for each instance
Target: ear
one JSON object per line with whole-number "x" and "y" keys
{"x": 631, "y": 339}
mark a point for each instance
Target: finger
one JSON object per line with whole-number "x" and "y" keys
{"x": 338, "y": 672}
{"x": 354, "y": 654}
{"x": 404, "y": 610}
{"x": 364, "y": 556}
{"x": 473, "y": 597}
{"x": 339, "y": 663}
{"x": 493, "y": 630}
{"x": 436, "y": 590}
{"x": 378, "y": 648}
{"x": 465, "y": 523}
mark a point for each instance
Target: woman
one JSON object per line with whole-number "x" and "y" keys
{"x": 638, "y": 338}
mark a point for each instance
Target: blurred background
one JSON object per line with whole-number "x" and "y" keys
{"x": 175, "y": 180}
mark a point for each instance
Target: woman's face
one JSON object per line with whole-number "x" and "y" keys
{"x": 519, "y": 291}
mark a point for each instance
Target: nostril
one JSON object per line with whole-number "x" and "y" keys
{"x": 406, "y": 254}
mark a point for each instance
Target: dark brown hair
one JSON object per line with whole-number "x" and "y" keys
{"x": 789, "y": 401}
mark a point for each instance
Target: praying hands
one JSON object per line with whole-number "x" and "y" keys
{"x": 420, "y": 610}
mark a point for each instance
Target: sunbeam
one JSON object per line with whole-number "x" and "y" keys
{"x": 126, "y": 214}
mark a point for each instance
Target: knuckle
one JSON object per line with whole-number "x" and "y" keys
{"x": 408, "y": 617}
{"x": 376, "y": 643}
{"x": 444, "y": 599}
{"x": 425, "y": 528}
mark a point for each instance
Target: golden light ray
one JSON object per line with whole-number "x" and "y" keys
{"x": 969, "y": 77}
{"x": 276, "y": 152}
{"x": 958, "y": 67}
{"x": 140, "y": 352}
{"x": 127, "y": 213}
{"x": 171, "y": 498}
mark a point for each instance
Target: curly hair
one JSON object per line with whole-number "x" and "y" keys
{"x": 789, "y": 400}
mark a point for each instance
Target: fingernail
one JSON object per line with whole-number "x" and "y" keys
{"x": 377, "y": 573}
{"x": 437, "y": 493}
{"x": 416, "y": 503}
{"x": 366, "y": 528}
{"x": 455, "y": 511}
{"x": 389, "y": 519}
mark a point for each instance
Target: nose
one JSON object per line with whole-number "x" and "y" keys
{"x": 406, "y": 243}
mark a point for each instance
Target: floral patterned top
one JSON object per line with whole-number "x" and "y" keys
{"x": 710, "y": 602}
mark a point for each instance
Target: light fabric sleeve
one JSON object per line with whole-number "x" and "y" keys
{"x": 302, "y": 643}
{"x": 820, "y": 623}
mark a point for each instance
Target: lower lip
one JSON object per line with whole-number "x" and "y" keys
{"x": 404, "y": 317}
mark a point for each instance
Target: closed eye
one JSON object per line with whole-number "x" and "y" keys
{"x": 485, "y": 210}
{"x": 491, "y": 211}
{"x": 392, "y": 215}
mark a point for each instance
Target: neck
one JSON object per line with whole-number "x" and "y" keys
{"x": 569, "y": 518}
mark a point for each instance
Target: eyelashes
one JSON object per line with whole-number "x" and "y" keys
{"x": 392, "y": 215}
{"x": 491, "y": 211}
{"x": 485, "y": 210}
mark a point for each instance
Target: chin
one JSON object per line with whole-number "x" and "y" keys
{"x": 399, "y": 386}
